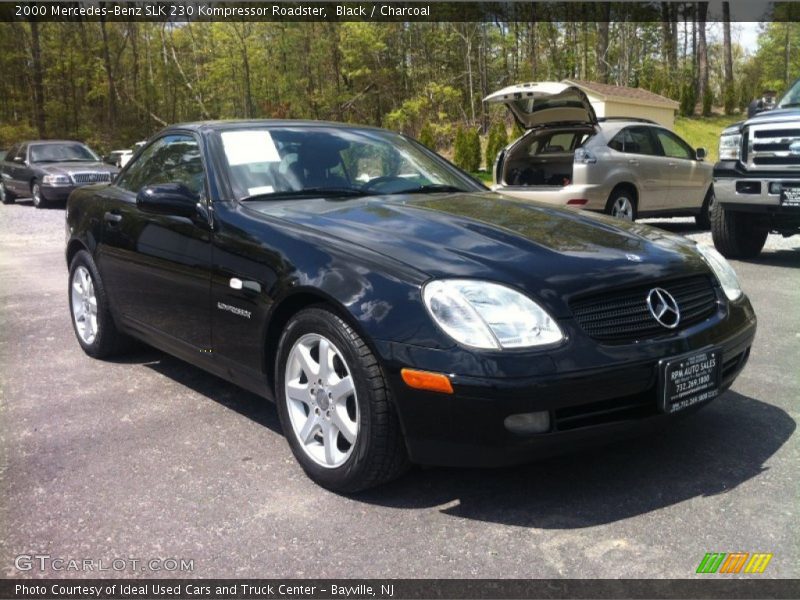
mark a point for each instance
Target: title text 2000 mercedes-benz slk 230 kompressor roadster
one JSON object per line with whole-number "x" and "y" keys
{"x": 396, "y": 310}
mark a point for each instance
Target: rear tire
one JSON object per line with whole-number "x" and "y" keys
{"x": 622, "y": 204}
{"x": 36, "y": 194}
{"x": 703, "y": 220}
{"x": 5, "y": 196}
{"x": 350, "y": 442}
{"x": 737, "y": 234}
{"x": 92, "y": 322}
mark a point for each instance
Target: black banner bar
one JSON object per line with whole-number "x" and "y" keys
{"x": 417, "y": 11}
{"x": 711, "y": 586}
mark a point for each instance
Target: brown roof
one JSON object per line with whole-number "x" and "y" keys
{"x": 622, "y": 92}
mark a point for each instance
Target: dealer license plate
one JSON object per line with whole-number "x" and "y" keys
{"x": 790, "y": 196}
{"x": 690, "y": 379}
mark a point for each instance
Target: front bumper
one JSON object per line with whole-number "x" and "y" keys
{"x": 595, "y": 195}
{"x": 56, "y": 193}
{"x": 735, "y": 186}
{"x": 593, "y": 392}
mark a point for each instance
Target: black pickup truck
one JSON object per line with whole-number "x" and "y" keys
{"x": 757, "y": 179}
{"x": 48, "y": 170}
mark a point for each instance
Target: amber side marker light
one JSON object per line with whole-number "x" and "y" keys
{"x": 424, "y": 380}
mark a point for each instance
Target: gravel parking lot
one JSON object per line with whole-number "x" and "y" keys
{"x": 148, "y": 457}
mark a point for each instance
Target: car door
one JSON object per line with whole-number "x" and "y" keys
{"x": 7, "y": 171}
{"x": 19, "y": 170}
{"x": 157, "y": 266}
{"x": 646, "y": 165}
{"x": 687, "y": 180}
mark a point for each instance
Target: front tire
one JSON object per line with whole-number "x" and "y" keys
{"x": 334, "y": 405}
{"x": 88, "y": 304}
{"x": 36, "y": 194}
{"x": 622, "y": 204}
{"x": 5, "y": 196}
{"x": 703, "y": 220}
{"x": 737, "y": 234}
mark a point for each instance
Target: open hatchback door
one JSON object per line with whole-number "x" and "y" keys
{"x": 545, "y": 103}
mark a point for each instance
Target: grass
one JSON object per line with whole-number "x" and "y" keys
{"x": 484, "y": 176}
{"x": 703, "y": 132}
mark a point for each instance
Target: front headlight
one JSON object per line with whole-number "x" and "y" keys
{"x": 723, "y": 270}
{"x": 56, "y": 180}
{"x": 488, "y": 315}
{"x": 730, "y": 146}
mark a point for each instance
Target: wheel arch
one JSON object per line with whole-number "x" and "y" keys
{"x": 291, "y": 304}
{"x": 73, "y": 247}
{"x": 625, "y": 185}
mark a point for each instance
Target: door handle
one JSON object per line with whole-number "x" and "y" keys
{"x": 633, "y": 162}
{"x": 672, "y": 164}
{"x": 112, "y": 217}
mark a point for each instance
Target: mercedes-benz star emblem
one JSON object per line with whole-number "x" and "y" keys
{"x": 664, "y": 308}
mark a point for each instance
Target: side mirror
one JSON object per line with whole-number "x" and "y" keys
{"x": 19, "y": 160}
{"x": 168, "y": 199}
{"x": 700, "y": 153}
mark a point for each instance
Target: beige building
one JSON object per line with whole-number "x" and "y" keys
{"x": 619, "y": 101}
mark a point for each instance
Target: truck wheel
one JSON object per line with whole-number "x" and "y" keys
{"x": 5, "y": 196}
{"x": 703, "y": 219}
{"x": 334, "y": 405}
{"x": 36, "y": 194}
{"x": 737, "y": 234}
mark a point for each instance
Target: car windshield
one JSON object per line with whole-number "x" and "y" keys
{"x": 69, "y": 152}
{"x": 295, "y": 162}
{"x": 792, "y": 97}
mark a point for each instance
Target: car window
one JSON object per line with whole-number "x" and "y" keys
{"x": 12, "y": 152}
{"x": 283, "y": 160}
{"x": 639, "y": 140}
{"x": 559, "y": 142}
{"x": 618, "y": 141}
{"x": 170, "y": 159}
{"x": 673, "y": 146}
{"x": 22, "y": 152}
{"x": 66, "y": 152}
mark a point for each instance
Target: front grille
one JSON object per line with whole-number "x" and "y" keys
{"x": 97, "y": 177}
{"x": 769, "y": 146}
{"x": 620, "y": 316}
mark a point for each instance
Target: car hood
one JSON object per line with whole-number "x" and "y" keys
{"x": 552, "y": 254}
{"x": 68, "y": 168}
{"x": 545, "y": 103}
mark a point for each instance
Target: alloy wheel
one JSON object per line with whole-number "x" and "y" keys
{"x": 321, "y": 400}
{"x": 36, "y": 192}
{"x": 622, "y": 209}
{"x": 84, "y": 305}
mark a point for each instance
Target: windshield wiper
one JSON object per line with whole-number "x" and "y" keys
{"x": 432, "y": 188}
{"x": 317, "y": 192}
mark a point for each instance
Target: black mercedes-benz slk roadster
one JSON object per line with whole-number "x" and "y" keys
{"x": 395, "y": 310}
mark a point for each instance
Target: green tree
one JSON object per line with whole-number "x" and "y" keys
{"x": 460, "y": 149}
{"x": 427, "y": 137}
{"x": 498, "y": 139}
{"x": 473, "y": 149}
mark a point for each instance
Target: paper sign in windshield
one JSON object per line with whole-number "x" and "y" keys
{"x": 248, "y": 147}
